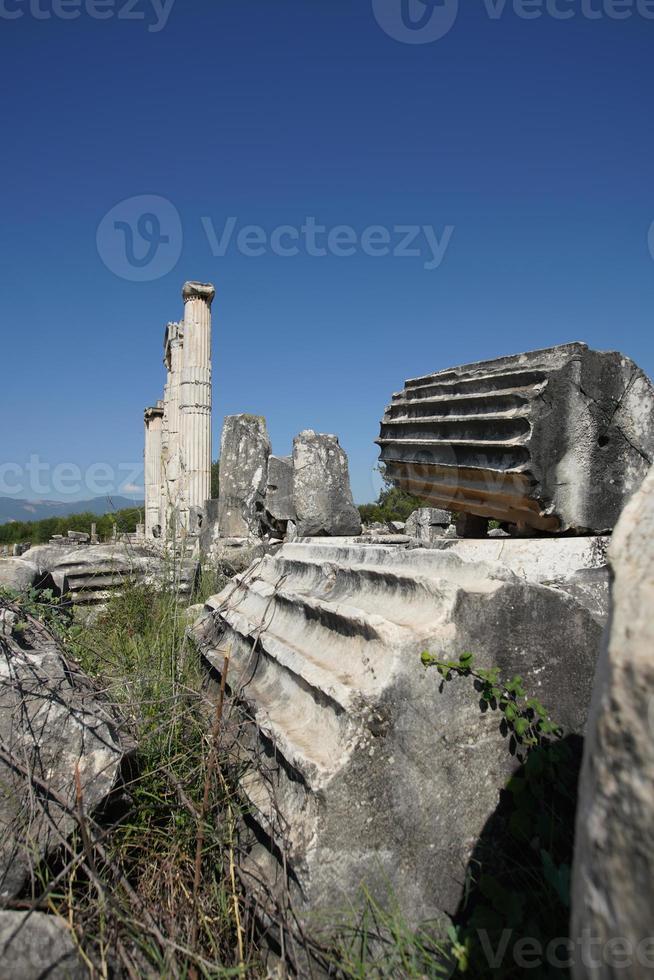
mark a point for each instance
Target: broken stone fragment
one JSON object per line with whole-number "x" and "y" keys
{"x": 613, "y": 874}
{"x": 279, "y": 493}
{"x": 34, "y": 946}
{"x": 554, "y": 440}
{"x": 427, "y": 523}
{"x": 244, "y": 453}
{"x": 368, "y": 773}
{"x": 322, "y": 497}
{"x": 54, "y": 729}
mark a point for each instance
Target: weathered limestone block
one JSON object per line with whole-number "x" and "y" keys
{"x": 89, "y": 576}
{"x": 279, "y": 505}
{"x": 613, "y": 875}
{"x": 427, "y": 523}
{"x": 18, "y": 574}
{"x": 555, "y": 439}
{"x": 52, "y": 724}
{"x": 322, "y": 497}
{"x": 369, "y": 773}
{"x": 244, "y": 453}
{"x": 35, "y": 946}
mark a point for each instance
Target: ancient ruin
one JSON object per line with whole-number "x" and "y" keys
{"x": 261, "y": 495}
{"x": 325, "y": 634}
{"x": 178, "y": 429}
{"x": 369, "y": 774}
{"x": 527, "y": 440}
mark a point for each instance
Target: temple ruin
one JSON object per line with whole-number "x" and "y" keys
{"x": 178, "y": 428}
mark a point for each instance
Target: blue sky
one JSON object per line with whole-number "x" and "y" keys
{"x": 524, "y": 146}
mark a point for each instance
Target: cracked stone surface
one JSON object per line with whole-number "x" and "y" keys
{"x": 36, "y": 946}
{"x": 53, "y": 728}
{"x": 244, "y": 453}
{"x": 613, "y": 874}
{"x": 362, "y": 769}
{"x": 322, "y": 497}
{"x": 556, "y": 440}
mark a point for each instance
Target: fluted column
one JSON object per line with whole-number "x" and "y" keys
{"x": 195, "y": 402}
{"x": 153, "y": 424}
{"x": 170, "y": 490}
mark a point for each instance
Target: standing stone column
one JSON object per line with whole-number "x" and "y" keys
{"x": 153, "y": 423}
{"x": 195, "y": 403}
{"x": 173, "y": 355}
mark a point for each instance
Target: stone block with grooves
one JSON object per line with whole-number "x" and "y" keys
{"x": 322, "y": 497}
{"x": 244, "y": 452}
{"x": 555, "y": 439}
{"x": 362, "y": 770}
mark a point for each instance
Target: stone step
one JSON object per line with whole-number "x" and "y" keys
{"x": 498, "y": 404}
{"x": 288, "y": 710}
{"x": 487, "y": 383}
{"x": 318, "y": 629}
{"x": 496, "y": 428}
{"x": 406, "y": 598}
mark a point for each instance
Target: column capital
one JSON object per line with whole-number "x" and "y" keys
{"x": 153, "y": 412}
{"x": 198, "y": 290}
{"x": 173, "y": 336}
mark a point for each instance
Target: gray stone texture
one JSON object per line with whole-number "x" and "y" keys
{"x": 371, "y": 774}
{"x": 17, "y": 574}
{"x": 90, "y": 575}
{"x": 279, "y": 490}
{"x": 427, "y": 523}
{"x": 36, "y": 946}
{"x": 52, "y": 724}
{"x": 244, "y": 453}
{"x": 556, "y": 440}
{"x": 613, "y": 875}
{"x": 322, "y": 497}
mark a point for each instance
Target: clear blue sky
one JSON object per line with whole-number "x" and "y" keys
{"x": 532, "y": 138}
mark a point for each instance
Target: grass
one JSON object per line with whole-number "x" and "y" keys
{"x": 150, "y": 888}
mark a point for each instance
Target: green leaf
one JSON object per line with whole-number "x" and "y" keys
{"x": 427, "y": 659}
{"x": 521, "y": 727}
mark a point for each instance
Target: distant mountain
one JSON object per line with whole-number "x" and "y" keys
{"x": 37, "y": 510}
